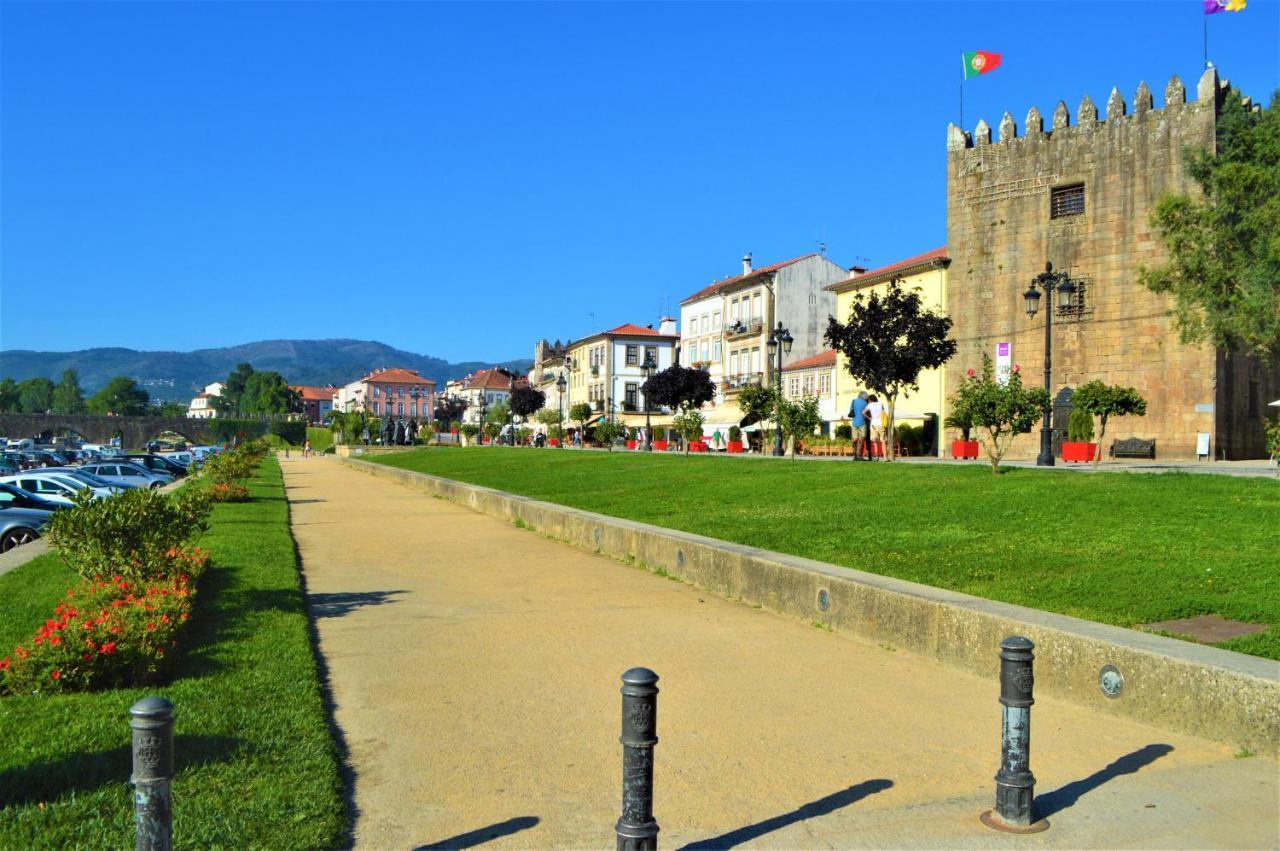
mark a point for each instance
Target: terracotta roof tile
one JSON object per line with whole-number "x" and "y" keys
{"x": 313, "y": 394}
{"x": 712, "y": 288}
{"x": 492, "y": 379}
{"x": 396, "y": 375}
{"x": 883, "y": 271}
{"x": 827, "y": 358}
{"x": 632, "y": 330}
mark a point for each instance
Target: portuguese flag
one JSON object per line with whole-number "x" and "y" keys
{"x": 978, "y": 62}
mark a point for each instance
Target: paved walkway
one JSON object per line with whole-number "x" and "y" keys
{"x": 474, "y": 667}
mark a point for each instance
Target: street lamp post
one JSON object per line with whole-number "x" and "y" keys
{"x": 780, "y": 341}
{"x": 647, "y": 370}
{"x": 484, "y": 409}
{"x": 1051, "y": 281}
{"x": 511, "y": 412}
{"x": 561, "y": 384}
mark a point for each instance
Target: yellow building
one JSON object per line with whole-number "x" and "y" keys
{"x": 927, "y": 273}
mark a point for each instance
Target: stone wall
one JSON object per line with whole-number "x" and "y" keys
{"x": 135, "y": 431}
{"x": 1000, "y": 234}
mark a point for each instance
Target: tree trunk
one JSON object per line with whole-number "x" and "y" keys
{"x": 890, "y": 446}
{"x": 1102, "y": 431}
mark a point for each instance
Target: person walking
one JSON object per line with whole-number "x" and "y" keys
{"x": 306, "y": 449}
{"x": 862, "y": 441}
{"x": 874, "y": 414}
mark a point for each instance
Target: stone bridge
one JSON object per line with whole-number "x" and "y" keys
{"x": 134, "y": 432}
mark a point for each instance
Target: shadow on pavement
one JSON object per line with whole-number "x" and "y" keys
{"x": 485, "y": 834}
{"x": 813, "y": 809}
{"x": 345, "y": 602}
{"x": 1065, "y": 796}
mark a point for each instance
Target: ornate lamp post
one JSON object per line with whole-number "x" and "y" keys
{"x": 648, "y": 370}
{"x": 780, "y": 341}
{"x": 511, "y": 412}
{"x": 484, "y": 409}
{"x": 1051, "y": 281}
{"x": 561, "y": 384}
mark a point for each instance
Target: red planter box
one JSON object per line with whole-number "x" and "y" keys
{"x": 1079, "y": 452}
{"x": 735, "y": 446}
{"x": 964, "y": 449}
{"x": 631, "y": 444}
{"x": 697, "y": 446}
{"x": 660, "y": 445}
{"x": 554, "y": 442}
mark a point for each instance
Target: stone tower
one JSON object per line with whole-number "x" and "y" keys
{"x": 1080, "y": 195}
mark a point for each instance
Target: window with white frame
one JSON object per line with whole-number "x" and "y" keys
{"x": 706, "y": 351}
{"x": 733, "y": 311}
{"x": 757, "y": 309}
{"x": 733, "y": 363}
{"x": 824, "y": 384}
{"x": 715, "y": 351}
{"x": 793, "y": 386}
{"x": 808, "y": 383}
{"x": 715, "y": 321}
{"x": 755, "y": 359}
{"x": 633, "y": 355}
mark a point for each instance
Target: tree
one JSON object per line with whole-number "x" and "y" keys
{"x": 549, "y": 416}
{"x": 607, "y": 432}
{"x": 581, "y": 412}
{"x": 1103, "y": 401}
{"x": 889, "y": 340}
{"x": 231, "y": 400}
{"x": 267, "y": 393}
{"x": 161, "y": 408}
{"x": 1003, "y": 410}
{"x": 35, "y": 396}
{"x": 122, "y": 396}
{"x": 9, "y": 395}
{"x": 527, "y": 401}
{"x": 758, "y": 404}
{"x": 679, "y": 387}
{"x": 469, "y": 430}
{"x": 1223, "y": 266}
{"x": 449, "y": 409}
{"x": 799, "y": 419}
{"x": 67, "y": 396}
{"x": 688, "y": 425}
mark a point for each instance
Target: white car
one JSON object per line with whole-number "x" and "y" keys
{"x": 21, "y": 444}
{"x": 55, "y": 487}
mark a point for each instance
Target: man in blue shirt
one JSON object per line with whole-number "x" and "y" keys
{"x": 861, "y": 428}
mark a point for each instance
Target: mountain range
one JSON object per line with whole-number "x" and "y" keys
{"x": 178, "y": 376}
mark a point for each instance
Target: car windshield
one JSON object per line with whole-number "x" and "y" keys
{"x": 89, "y": 478}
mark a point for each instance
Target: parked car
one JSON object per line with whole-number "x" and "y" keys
{"x": 22, "y": 516}
{"x": 158, "y": 464}
{"x": 165, "y": 446}
{"x": 203, "y": 452}
{"x": 119, "y": 471}
{"x": 89, "y": 478}
{"x": 34, "y": 459}
{"x": 185, "y": 459}
{"x": 55, "y": 487}
{"x": 19, "y": 444}
{"x": 102, "y": 450}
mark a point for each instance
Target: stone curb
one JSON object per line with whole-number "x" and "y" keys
{"x": 18, "y": 556}
{"x": 1191, "y": 688}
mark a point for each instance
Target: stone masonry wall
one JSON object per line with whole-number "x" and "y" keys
{"x": 999, "y": 235}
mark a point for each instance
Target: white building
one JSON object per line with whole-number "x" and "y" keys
{"x": 814, "y": 377}
{"x": 201, "y": 407}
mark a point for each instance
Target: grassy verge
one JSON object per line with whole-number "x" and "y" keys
{"x": 257, "y": 766}
{"x": 321, "y": 438}
{"x": 1124, "y": 549}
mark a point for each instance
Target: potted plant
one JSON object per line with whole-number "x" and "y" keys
{"x": 1078, "y": 446}
{"x": 631, "y": 438}
{"x": 735, "y": 440}
{"x": 660, "y": 443}
{"x": 961, "y": 419}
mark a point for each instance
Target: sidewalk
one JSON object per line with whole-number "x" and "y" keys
{"x": 474, "y": 667}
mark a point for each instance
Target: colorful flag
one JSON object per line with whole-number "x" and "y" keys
{"x": 1213, "y": 7}
{"x": 981, "y": 61}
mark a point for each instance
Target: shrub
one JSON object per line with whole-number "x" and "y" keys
{"x": 844, "y": 431}
{"x": 234, "y": 466}
{"x": 689, "y": 426}
{"x": 1103, "y": 401}
{"x": 134, "y": 534}
{"x": 293, "y": 431}
{"x": 735, "y": 434}
{"x": 106, "y": 633}
{"x": 910, "y": 439}
{"x": 1080, "y": 426}
{"x": 1002, "y": 410}
{"x": 229, "y": 492}
{"x": 607, "y": 432}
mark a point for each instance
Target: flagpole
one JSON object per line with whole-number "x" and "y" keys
{"x": 962, "y": 104}
{"x": 1205, "y": 20}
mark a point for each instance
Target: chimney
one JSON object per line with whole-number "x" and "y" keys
{"x": 855, "y": 271}
{"x": 667, "y": 326}
{"x": 746, "y": 263}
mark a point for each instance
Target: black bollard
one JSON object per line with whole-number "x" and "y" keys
{"x": 1015, "y": 784}
{"x": 152, "y": 724}
{"x": 637, "y": 829}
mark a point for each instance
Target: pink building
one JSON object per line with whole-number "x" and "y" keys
{"x": 397, "y": 392}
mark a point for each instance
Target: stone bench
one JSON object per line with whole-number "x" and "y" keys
{"x": 1134, "y": 447}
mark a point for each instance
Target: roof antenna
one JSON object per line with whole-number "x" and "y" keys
{"x": 822, "y": 248}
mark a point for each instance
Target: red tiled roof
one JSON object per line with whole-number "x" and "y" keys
{"x": 887, "y": 271}
{"x": 492, "y": 379}
{"x": 708, "y": 290}
{"x": 313, "y": 394}
{"x": 396, "y": 375}
{"x": 827, "y": 358}
{"x": 632, "y": 330}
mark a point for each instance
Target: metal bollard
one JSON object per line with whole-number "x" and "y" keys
{"x": 152, "y": 724}
{"x": 637, "y": 829}
{"x": 1015, "y": 784}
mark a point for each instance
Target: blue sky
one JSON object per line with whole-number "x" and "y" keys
{"x": 461, "y": 179}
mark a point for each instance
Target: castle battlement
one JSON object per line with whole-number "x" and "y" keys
{"x": 1211, "y": 92}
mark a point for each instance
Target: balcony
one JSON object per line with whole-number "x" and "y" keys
{"x": 742, "y": 328}
{"x": 734, "y": 383}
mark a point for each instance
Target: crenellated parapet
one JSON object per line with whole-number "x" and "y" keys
{"x": 1210, "y": 94}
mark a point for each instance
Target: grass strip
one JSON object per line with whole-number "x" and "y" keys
{"x": 257, "y": 766}
{"x": 1118, "y": 548}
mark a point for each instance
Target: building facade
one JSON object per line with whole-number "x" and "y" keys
{"x": 485, "y": 388}
{"x": 1080, "y": 196}
{"x": 726, "y": 326}
{"x": 202, "y": 406}
{"x": 400, "y": 393}
{"x": 549, "y": 364}
{"x": 317, "y": 402}
{"x": 927, "y": 274}
{"x": 815, "y": 377}
{"x": 605, "y": 370}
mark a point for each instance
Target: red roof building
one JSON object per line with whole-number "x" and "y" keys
{"x": 316, "y": 401}
{"x": 400, "y": 393}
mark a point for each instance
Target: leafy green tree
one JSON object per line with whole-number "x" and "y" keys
{"x": 549, "y": 416}
{"x": 9, "y": 395}
{"x": 268, "y": 393}
{"x": 1003, "y": 410}
{"x": 469, "y": 430}
{"x": 688, "y": 425}
{"x": 499, "y": 413}
{"x": 1223, "y": 269}
{"x": 889, "y": 340}
{"x": 607, "y": 432}
{"x": 581, "y": 412}
{"x": 162, "y": 408}
{"x": 35, "y": 396}
{"x": 1106, "y": 401}
{"x": 122, "y": 396}
{"x": 67, "y": 396}
{"x": 759, "y": 404}
{"x": 231, "y": 400}
{"x": 799, "y": 419}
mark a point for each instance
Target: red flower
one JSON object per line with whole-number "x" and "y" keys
{"x": 4, "y": 663}
{"x": 55, "y": 641}
{"x": 1017, "y": 368}
{"x": 85, "y": 656}
{"x": 57, "y": 675}
{"x": 971, "y": 373}
{"x": 109, "y": 648}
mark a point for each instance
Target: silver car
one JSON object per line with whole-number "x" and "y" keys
{"x": 55, "y": 487}
{"x": 120, "y": 472}
{"x": 22, "y": 517}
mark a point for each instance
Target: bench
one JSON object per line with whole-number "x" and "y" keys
{"x": 1134, "y": 447}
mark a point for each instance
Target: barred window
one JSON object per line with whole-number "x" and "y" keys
{"x": 1066, "y": 201}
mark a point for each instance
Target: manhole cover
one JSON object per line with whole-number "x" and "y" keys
{"x": 824, "y": 600}
{"x": 1207, "y": 629}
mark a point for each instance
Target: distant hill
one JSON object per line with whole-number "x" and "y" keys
{"x": 180, "y": 375}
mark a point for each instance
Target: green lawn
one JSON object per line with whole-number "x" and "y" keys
{"x": 1119, "y": 548}
{"x": 257, "y": 766}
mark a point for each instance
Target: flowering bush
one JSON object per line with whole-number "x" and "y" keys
{"x": 106, "y": 633}
{"x": 1003, "y": 411}
{"x": 229, "y": 492}
{"x": 132, "y": 534}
